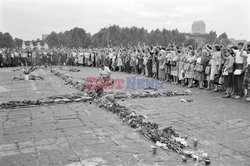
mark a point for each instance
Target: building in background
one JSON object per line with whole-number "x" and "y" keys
{"x": 198, "y": 27}
{"x": 198, "y": 32}
{"x": 44, "y": 36}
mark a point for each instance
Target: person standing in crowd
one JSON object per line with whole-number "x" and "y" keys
{"x": 202, "y": 60}
{"x": 93, "y": 57}
{"x": 227, "y": 72}
{"x": 175, "y": 65}
{"x": 211, "y": 64}
{"x": 161, "y": 59}
{"x": 16, "y": 58}
{"x": 114, "y": 61}
{"x": 33, "y": 57}
{"x": 88, "y": 58}
{"x": 140, "y": 62}
{"x": 182, "y": 60}
{"x": 127, "y": 62}
{"x": 189, "y": 68}
{"x": 154, "y": 67}
{"x": 133, "y": 61}
{"x": 110, "y": 57}
{"x": 80, "y": 58}
{"x": 212, "y": 69}
{"x": 29, "y": 58}
{"x": 168, "y": 65}
{"x": 119, "y": 60}
{"x": 12, "y": 58}
{"x": 215, "y": 67}
{"x": 239, "y": 73}
{"x": 1, "y": 58}
{"x": 246, "y": 81}
{"x": 24, "y": 58}
{"x": 145, "y": 61}
{"x": 157, "y": 50}
{"x": 150, "y": 62}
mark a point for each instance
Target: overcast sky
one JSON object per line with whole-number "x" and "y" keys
{"x": 28, "y": 19}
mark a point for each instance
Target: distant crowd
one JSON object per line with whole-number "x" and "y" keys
{"x": 209, "y": 67}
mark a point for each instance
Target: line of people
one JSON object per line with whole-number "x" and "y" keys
{"x": 209, "y": 67}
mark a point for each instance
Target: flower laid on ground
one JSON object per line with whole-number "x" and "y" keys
{"x": 68, "y": 80}
{"x": 28, "y": 70}
{"x": 166, "y": 138}
{"x": 74, "y": 69}
{"x": 31, "y": 77}
{"x": 60, "y": 99}
{"x": 16, "y": 69}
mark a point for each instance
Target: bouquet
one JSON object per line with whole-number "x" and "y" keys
{"x": 28, "y": 70}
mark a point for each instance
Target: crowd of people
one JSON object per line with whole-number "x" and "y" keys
{"x": 209, "y": 67}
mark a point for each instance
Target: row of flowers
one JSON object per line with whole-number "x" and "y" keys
{"x": 30, "y": 77}
{"x": 75, "y": 97}
{"x": 166, "y": 138}
{"x": 68, "y": 80}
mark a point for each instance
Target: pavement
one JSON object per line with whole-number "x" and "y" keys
{"x": 77, "y": 134}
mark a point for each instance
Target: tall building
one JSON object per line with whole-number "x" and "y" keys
{"x": 44, "y": 36}
{"x": 199, "y": 27}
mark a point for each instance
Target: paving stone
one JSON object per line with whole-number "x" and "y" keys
{"x": 45, "y": 134}
{"x": 17, "y": 130}
{"x": 69, "y": 123}
{"x": 21, "y": 137}
{"x": 82, "y": 150}
{"x": 18, "y": 160}
{"x": 44, "y": 126}
{"x": 56, "y": 157}
{"x": 128, "y": 159}
{"x": 91, "y": 136}
{"x": 76, "y": 133}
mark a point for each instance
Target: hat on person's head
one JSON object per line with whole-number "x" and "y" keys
{"x": 231, "y": 52}
{"x": 235, "y": 47}
{"x": 162, "y": 52}
{"x": 209, "y": 47}
{"x": 240, "y": 44}
{"x": 217, "y": 47}
{"x": 205, "y": 52}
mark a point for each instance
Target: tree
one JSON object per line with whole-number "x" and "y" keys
{"x": 18, "y": 42}
{"x": 74, "y": 38}
{"x": 52, "y": 40}
{"x": 210, "y": 37}
{"x": 223, "y": 39}
{"x": 78, "y": 37}
{"x": 6, "y": 40}
{"x": 133, "y": 35}
{"x": 178, "y": 38}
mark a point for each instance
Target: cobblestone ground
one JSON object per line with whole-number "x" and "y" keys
{"x": 79, "y": 134}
